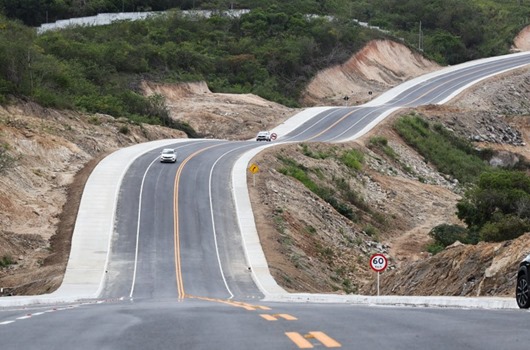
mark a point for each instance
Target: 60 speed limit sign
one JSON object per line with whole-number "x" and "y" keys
{"x": 378, "y": 262}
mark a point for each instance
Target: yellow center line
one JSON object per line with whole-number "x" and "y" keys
{"x": 287, "y": 317}
{"x": 178, "y": 266}
{"x": 331, "y": 126}
{"x": 245, "y": 306}
{"x": 303, "y": 343}
{"x": 269, "y": 317}
{"x": 299, "y": 340}
{"x": 275, "y": 317}
{"x": 325, "y": 339}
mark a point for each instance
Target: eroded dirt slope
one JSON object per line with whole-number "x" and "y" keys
{"x": 379, "y": 66}
{"x": 220, "y": 116}
{"x": 51, "y": 155}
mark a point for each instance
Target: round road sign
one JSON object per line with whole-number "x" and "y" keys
{"x": 273, "y": 136}
{"x": 378, "y": 262}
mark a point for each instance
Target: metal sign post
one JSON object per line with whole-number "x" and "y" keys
{"x": 377, "y": 283}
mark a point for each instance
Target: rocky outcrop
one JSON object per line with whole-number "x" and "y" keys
{"x": 485, "y": 269}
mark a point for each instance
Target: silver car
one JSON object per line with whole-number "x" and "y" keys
{"x": 168, "y": 155}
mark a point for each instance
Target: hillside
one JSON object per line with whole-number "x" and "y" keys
{"x": 311, "y": 247}
{"x": 379, "y": 66}
{"x": 38, "y": 198}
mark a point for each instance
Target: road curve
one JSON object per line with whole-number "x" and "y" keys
{"x": 166, "y": 255}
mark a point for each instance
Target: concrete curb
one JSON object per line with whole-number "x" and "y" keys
{"x": 388, "y": 300}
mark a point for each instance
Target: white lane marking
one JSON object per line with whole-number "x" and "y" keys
{"x": 139, "y": 216}
{"x": 376, "y": 110}
{"x": 322, "y": 119}
{"x": 213, "y": 220}
{"x": 138, "y": 227}
{"x": 28, "y": 316}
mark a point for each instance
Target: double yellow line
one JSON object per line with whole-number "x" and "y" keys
{"x": 178, "y": 266}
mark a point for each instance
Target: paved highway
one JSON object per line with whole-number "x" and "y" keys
{"x": 180, "y": 273}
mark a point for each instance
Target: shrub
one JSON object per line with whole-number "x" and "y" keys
{"x": 301, "y": 173}
{"x": 6, "y": 260}
{"x": 353, "y": 159}
{"x": 504, "y": 228}
{"x": 306, "y": 151}
{"x": 371, "y": 231}
{"x": 124, "y": 129}
{"x": 435, "y": 248}
{"x": 497, "y": 193}
{"x": 444, "y": 235}
{"x": 381, "y": 142}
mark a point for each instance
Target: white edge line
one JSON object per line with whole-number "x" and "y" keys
{"x": 213, "y": 223}
{"x": 137, "y": 248}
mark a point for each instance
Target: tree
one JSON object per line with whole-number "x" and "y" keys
{"x": 497, "y": 207}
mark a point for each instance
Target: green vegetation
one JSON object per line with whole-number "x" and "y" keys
{"x": 308, "y": 152}
{"x": 333, "y": 189}
{"x": 371, "y": 231}
{"x": 453, "y": 31}
{"x": 328, "y": 194}
{"x": 99, "y": 69}
{"x": 495, "y": 209}
{"x": 444, "y": 235}
{"x": 450, "y": 154}
{"x": 272, "y": 51}
{"x": 353, "y": 159}
{"x": 381, "y": 143}
{"x": 496, "y": 205}
{"x": 6, "y": 260}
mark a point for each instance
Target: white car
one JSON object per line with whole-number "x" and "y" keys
{"x": 168, "y": 155}
{"x": 263, "y": 136}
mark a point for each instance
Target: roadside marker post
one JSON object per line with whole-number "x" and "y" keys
{"x": 378, "y": 263}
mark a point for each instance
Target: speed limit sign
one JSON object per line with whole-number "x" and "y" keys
{"x": 378, "y": 262}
